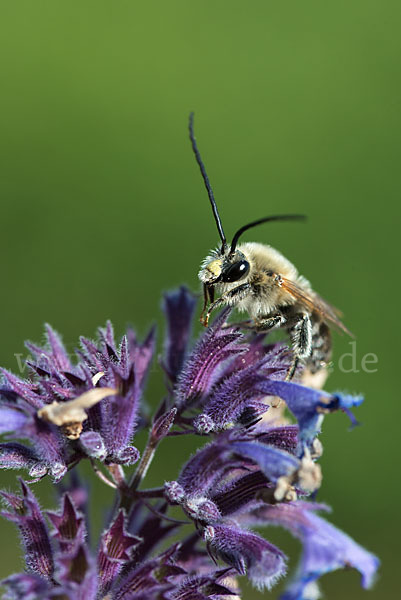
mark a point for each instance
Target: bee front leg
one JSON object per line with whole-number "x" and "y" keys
{"x": 301, "y": 337}
{"x": 208, "y": 296}
{"x": 231, "y": 298}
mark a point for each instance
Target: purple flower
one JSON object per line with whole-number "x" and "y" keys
{"x": 256, "y": 468}
{"x": 106, "y": 382}
{"x": 325, "y": 548}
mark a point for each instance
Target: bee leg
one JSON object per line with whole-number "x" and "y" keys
{"x": 262, "y": 324}
{"x": 301, "y": 338}
{"x": 241, "y": 325}
{"x": 231, "y": 298}
{"x": 208, "y": 296}
{"x": 266, "y": 323}
{"x": 292, "y": 369}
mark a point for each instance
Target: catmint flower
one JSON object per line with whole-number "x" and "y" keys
{"x": 71, "y": 411}
{"x": 254, "y": 467}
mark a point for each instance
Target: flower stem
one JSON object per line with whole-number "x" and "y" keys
{"x": 144, "y": 464}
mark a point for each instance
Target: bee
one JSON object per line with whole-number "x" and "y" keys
{"x": 257, "y": 279}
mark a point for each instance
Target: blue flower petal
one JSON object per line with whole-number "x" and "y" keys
{"x": 273, "y": 462}
{"x": 308, "y": 405}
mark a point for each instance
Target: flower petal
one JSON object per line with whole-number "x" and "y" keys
{"x": 309, "y": 405}
{"x": 274, "y": 463}
{"x": 325, "y": 548}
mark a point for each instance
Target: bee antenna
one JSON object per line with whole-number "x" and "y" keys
{"x": 207, "y": 182}
{"x": 259, "y": 222}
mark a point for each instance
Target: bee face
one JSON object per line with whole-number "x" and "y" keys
{"x": 211, "y": 271}
{"x": 225, "y": 269}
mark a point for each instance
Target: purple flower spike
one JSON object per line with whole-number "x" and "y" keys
{"x": 257, "y": 461}
{"x": 33, "y": 530}
{"x": 247, "y": 552}
{"x": 126, "y": 371}
{"x": 179, "y": 308}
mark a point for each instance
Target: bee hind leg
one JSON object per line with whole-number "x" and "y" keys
{"x": 301, "y": 338}
{"x": 292, "y": 369}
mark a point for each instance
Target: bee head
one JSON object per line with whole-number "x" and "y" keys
{"x": 224, "y": 268}
{"x": 227, "y": 264}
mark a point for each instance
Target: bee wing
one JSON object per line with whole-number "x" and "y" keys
{"x": 314, "y": 303}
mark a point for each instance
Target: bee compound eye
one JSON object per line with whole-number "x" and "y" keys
{"x": 236, "y": 271}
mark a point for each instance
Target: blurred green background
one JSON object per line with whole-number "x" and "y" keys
{"x": 102, "y": 205}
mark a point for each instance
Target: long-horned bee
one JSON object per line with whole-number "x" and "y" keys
{"x": 259, "y": 280}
